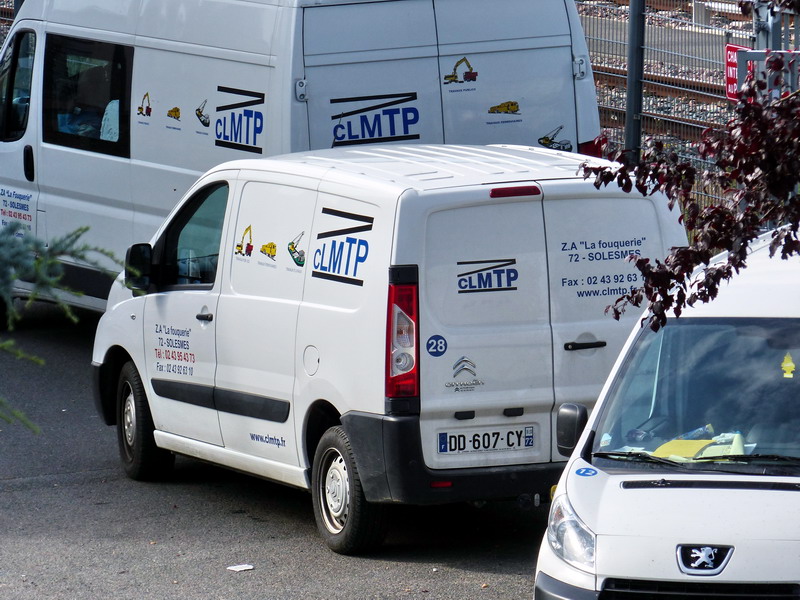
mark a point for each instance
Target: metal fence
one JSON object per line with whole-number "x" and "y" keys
{"x": 683, "y": 87}
{"x": 684, "y": 67}
{"x": 6, "y": 17}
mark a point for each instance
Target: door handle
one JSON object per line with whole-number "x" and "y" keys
{"x": 27, "y": 163}
{"x": 570, "y": 346}
{"x": 205, "y": 317}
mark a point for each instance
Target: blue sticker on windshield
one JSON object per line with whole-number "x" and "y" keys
{"x": 586, "y": 472}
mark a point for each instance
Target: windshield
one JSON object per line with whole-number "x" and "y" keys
{"x": 707, "y": 391}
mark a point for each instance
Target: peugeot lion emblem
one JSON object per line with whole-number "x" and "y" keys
{"x": 703, "y": 560}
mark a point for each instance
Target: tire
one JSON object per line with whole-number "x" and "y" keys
{"x": 141, "y": 458}
{"x": 347, "y": 522}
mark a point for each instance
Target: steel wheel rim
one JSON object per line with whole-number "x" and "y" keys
{"x": 334, "y": 491}
{"x": 129, "y": 417}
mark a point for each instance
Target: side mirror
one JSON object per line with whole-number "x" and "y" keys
{"x": 570, "y": 421}
{"x": 138, "y": 267}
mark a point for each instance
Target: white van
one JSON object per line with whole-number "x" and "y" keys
{"x": 379, "y": 325}
{"x": 685, "y": 482}
{"x": 111, "y": 109}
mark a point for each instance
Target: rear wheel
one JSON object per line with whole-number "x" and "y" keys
{"x": 141, "y": 458}
{"x": 347, "y": 522}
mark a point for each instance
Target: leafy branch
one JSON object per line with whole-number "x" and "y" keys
{"x": 24, "y": 257}
{"x": 756, "y": 158}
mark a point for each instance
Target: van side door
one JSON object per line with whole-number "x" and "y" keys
{"x": 84, "y": 170}
{"x": 180, "y": 317}
{"x": 257, "y": 325}
{"x": 19, "y": 119}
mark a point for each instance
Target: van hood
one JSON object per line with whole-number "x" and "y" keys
{"x": 656, "y": 526}
{"x": 661, "y": 503}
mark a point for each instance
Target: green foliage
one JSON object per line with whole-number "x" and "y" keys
{"x": 24, "y": 257}
{"x": 27, "y": 258}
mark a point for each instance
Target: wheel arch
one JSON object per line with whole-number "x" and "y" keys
{"x": 106, "y": 379}
{"x": 321, "y": 416}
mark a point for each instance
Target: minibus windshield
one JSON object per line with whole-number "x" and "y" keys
{"x": 705, "y": 391}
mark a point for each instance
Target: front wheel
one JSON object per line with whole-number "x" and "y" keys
{"x": 347, "y": 522}
{"x": 141, "y": 458}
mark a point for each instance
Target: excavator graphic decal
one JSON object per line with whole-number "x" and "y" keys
{"x": 145, "y": 109}
{"x": 548, "y": 140}
{"x": 241, "y": 248}
{"x": 469, "y": 74}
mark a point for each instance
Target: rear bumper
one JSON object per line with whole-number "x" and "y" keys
{"x": 388, "y": 452}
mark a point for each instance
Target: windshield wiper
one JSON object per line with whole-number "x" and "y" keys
{"x": 751, "y": 458}
{"x": 639, "y": 457}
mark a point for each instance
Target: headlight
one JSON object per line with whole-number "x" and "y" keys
{"x": 569, "y": 537}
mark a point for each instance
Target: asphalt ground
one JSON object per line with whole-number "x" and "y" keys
{"x": 73, "y": 526}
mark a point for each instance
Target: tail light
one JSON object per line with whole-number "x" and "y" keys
{"x": 595, "y": 147}
{"x": 515, "y": 191}
{"x": 402, "y": 341}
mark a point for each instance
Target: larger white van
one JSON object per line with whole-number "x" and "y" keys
{"x": 378, "y": 325}
{"x": 111, "y": 109}
{"x": 685, "y": 482}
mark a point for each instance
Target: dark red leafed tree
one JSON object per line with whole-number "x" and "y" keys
{"x": 757, "y": 166}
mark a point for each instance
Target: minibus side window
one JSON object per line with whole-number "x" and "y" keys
{"x": 16, "y": 69}
{"x": 191, "y": 244}
{"x": 87, "y": 95}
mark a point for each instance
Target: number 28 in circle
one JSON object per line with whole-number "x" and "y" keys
{"x": 436, "y": 345}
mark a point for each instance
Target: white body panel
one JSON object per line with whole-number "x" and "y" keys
{"x": 208, "y": 81}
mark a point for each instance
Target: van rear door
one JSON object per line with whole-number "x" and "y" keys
{"x": 590, "y": 234}
{"x": 370, "y": 73}
{"x": 486, "y": 357}
{"x": 508, "y": 79}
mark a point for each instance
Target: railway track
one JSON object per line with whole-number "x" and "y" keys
{"x": 670, "y": 108}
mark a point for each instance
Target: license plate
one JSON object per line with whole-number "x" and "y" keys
{"x": 485, "y": 440}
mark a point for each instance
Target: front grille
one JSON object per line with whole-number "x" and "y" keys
{"x": 635, "y": 589}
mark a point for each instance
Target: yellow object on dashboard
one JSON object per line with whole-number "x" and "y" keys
{"x": 686, "y": 448}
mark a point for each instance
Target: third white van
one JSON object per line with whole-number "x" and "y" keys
{"x": 685, "y": 481}
{"x": 111, "y": 109}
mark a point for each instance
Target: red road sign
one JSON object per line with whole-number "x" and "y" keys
{"x": 731, "y": 70}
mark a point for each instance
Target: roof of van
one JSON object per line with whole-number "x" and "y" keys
{"x": 768, "y": 287}
{"x": 434, "y": 166}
